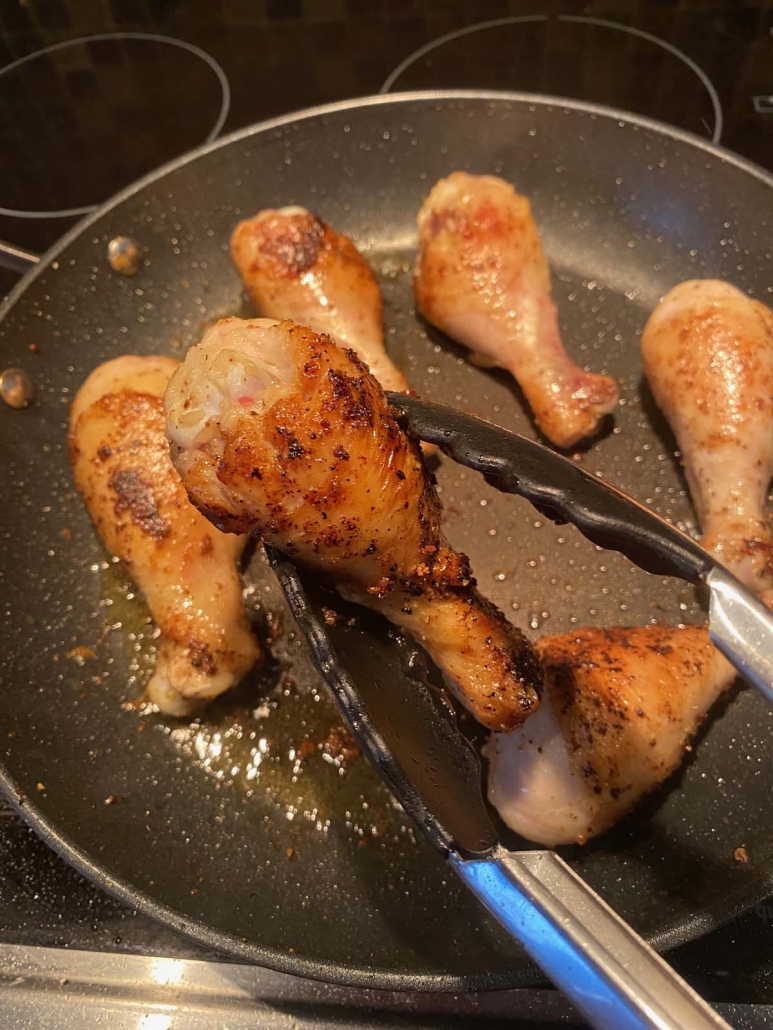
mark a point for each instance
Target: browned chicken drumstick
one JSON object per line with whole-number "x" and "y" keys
{"x": 278, "y": 432}
{"x": 619, "y": 708}
{"x": 481, "y": 276}
{"x": 183, "y": 565}
{"x": 295, "y": 266}
{"x": 708, "y": 356}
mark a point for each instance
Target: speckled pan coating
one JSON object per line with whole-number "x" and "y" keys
{"x": 200, "y": 825}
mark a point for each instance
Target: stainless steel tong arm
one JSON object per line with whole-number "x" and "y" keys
{"x": 616, "y": 980}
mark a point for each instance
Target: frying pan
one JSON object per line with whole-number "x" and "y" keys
{"x": 229, "y": 829}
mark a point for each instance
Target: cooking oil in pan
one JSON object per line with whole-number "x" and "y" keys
{"x": 277, "y": 739}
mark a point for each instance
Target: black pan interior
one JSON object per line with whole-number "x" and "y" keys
{"x": 255, "y": 829}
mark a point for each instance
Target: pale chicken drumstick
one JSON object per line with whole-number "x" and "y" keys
{"x": 481, "y": 276}
{"x": 708, "y": 356}
{"x": 619, "y": 708}
{"x": 183, "y": 565}
{"x": 295, "y": 266}
{"x": 278, "y": 432}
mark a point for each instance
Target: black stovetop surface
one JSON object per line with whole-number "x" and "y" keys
{"x": 83, "y": 120}
{"x": 80, "y": 122}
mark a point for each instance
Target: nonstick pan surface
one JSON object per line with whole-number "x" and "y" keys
{"x": 255, "y": 830}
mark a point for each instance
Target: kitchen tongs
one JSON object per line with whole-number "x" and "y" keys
{"x": 739, "y": 624}
{"x": 405, "y": 727}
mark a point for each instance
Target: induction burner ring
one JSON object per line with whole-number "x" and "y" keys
{"x": 150, "y": 37}
{"x": 576, "y": 18}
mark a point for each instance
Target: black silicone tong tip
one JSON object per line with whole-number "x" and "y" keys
{"x": 400, "y": 723}
{"x": 559, "y": 488}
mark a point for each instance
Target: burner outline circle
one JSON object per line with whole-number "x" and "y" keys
{"x": 153, "y": 37}
{"x": 582, "y": 19}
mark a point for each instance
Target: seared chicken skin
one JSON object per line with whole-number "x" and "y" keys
{"x": 295, "y": 266}
{"x": 183, "y": 565}
{"x": 708, "y": 356}
{"x": 619, "y": 708}
{"x": 279, "y": 433}
{"x": 481, "y": 277}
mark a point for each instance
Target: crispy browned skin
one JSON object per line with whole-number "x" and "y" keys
{"x": 481, "y": 276}
{"x": 183, "y": 565}
{"x": 708, "y": 356}
{"x": 293, "y": 265}
{"x": 619, "y": 709}
{"x": 282, "y": 434}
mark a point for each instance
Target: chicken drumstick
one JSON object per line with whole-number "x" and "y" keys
{"x": 708, "y": 356}
{"x": 183, "y": 565}
{"x": 619, "y": 707}
{"x": 277, "y": 432}
{"x": 295, "y": 266}
{"x": 481, "y": 277}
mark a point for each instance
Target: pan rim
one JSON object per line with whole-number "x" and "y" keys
{"x": 241, "y": 948}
